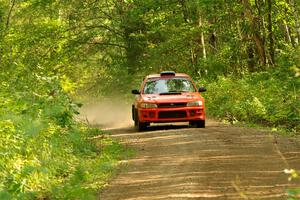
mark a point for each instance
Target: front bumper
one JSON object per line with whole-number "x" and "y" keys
{"x": 183, "y": 114}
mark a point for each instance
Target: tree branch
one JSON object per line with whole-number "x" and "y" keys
{"x": 107, "y": 44}
{"x": 105, "y": 27}
{"x": 9, "y": 14}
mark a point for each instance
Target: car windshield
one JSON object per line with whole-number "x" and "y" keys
{"x": 168, "y": 86}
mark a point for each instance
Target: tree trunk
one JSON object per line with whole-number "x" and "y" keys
{"x": 254, "y": 24}
{"x": 12, "y": 4}
{"x": 250, "y": 61}
{"x": 212, "y": 33}
{"x": 287, "y": 34}
{"x": 202, "y": 39}
{"x": 297, "y": 23}
{"x": 193, "y": 57}
{"x": 260, "y": 48}
{"x": 270, "y": 33}
{"x": 184, "y": 11}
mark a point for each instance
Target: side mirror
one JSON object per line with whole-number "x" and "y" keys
{"x": 135, "y": 92}
{"x": 202, "y": 89}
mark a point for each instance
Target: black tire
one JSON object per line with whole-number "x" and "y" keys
{"x": 198, "y": 124}
{"x": 135, "y": 118}
{"x": 132, "y": 112}
{"x": 141, "y": 126}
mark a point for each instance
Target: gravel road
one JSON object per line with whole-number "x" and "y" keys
{"x": 218, "y": 162}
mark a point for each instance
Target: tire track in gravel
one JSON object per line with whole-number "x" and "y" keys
{"x": 218, "y": 162}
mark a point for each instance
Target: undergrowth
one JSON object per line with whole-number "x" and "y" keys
{"x": 45, "y": 153}
{"x": 293, "y": 193}
{"x": 268, "y": 98}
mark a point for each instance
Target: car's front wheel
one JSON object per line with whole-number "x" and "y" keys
{"x": 198, "y": 124}
{"x": 132, "y": 112}
{"x": 141, "y": 126}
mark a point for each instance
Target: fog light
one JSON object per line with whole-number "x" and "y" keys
{"x": 145, "y": 114}
{"x": 192, "y": 113}
{"x": 151, "y": 114}
{"x": 199, "y": 112}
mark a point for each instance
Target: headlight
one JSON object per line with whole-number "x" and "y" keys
{"x": 195, "y": 103}
{"x": 148, "y": 105}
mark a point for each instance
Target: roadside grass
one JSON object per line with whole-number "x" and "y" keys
{"x": 46, "y": 154}
{"x": 94, "y": 170}
{"x": 264, "y": 100}
{"x": 268, "y": 99}
{"x": 261, "y": 127}
{"x": 293, "y": 193}
{"x": 68, "y": 165}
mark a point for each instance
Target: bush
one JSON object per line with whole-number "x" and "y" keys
{"x": 293, "y": 193}
{"x": 270, "y": 98}
{"x": 45, "y": 153}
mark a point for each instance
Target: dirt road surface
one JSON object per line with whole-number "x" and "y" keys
{"x": 218, "y": 162}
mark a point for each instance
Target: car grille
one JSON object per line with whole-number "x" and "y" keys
{"x": 171, "y": 105}
{"x": 171, "y": 114}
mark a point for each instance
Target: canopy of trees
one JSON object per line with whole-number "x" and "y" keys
{"x": 51, "y": 50}
{"x": 95, "y": 42}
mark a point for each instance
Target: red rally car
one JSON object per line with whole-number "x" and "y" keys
{"x": 168, "y": 97}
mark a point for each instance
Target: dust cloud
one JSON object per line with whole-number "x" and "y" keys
{"x": 107, "y": 114}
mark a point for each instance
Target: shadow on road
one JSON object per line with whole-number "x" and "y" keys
{"x": 217, "y": 162}
{"x": 132, "y": 129}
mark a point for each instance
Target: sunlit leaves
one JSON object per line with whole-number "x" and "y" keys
{"x": 261, "y": 98}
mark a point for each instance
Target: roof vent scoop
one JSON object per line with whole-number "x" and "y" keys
{"x": 167, "y": 73}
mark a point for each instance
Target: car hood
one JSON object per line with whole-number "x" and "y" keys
{"x": 184, "y": 97}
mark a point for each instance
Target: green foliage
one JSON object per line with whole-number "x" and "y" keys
{"x": 45, "y": 153}
{"x": 270, "y": 98}
{"x": 51, "y": 51}
{"x": 293, "y": 194}
{"x": 42, "y": 157}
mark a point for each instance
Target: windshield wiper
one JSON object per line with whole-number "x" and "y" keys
{"x": 170, "y": 93}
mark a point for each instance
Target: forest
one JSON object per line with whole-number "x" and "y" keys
{"x": 56, "y": 54}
